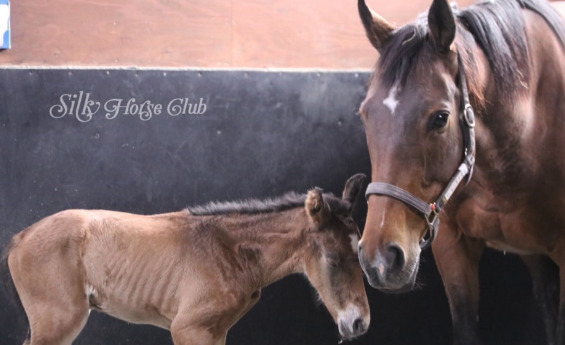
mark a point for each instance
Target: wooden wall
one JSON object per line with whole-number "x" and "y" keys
{"x": 197, "y": 33}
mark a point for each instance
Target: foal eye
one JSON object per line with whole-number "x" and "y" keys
{"x": 439, "y": 120}
{"x": 332, "y": 260}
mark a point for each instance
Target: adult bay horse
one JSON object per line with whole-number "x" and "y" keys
{"x": 195, "y": 272}
{"x": 467, "y": 106}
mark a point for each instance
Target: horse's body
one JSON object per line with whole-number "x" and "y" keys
{"x": 195, "y": 272}
{"x": 512, "y": 54}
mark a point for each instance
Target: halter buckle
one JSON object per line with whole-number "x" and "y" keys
{"x": 432, "y": 217}
{"x": 469, "y": 115}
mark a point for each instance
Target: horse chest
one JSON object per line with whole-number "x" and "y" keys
{"x": 516, "y": 231}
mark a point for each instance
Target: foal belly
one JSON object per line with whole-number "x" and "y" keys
{"x": 137, "y": 293}
{"x": 132, "y": 274}
{"x": 133, "y": 312}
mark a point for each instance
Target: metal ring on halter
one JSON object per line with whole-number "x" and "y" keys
{"x": 433, "y": 229}
{"x": 434, "y": 214}
{"x": 469, "y": 115}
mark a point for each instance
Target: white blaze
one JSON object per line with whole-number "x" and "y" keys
{"x": 391, "y": 102}
{"x": 383, "y": 221}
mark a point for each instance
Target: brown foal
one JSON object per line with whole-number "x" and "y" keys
{"x": 195, "y": 272}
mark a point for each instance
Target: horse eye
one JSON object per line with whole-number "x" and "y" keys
{"x": 439, "y": 120}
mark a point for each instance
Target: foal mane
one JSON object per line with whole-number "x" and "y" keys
{"x": 498, "y": 27}
{"x": 250, "y": 206}
{"x": 255, "y": 206}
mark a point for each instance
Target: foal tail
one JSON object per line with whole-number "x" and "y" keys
{"x": 10, "y": 289}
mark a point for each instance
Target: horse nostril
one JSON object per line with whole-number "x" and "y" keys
{"x": 395, "y": 257}
{"x": 358, "y": 326}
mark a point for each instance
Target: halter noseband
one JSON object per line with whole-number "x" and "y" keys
{"x": 431, "y": 211}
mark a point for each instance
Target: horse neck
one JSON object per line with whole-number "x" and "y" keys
{"x": 273, "y": 245}
{"x": 512, "y": 136}
{"x": 538, "y": 104}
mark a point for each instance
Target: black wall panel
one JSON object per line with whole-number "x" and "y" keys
{"x": 261, "y": 134}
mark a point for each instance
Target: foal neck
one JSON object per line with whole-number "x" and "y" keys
{"x": 272, "y": 245}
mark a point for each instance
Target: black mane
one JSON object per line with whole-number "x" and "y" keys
{"x": 499, "y": 29}
{"x": 254, "y": 206}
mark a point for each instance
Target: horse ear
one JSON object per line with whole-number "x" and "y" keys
{"x": 317, "y": 208}
{"x": 353, "y": 188}
{"x": 377, "y": 28}
{"x": 441, "y": 22}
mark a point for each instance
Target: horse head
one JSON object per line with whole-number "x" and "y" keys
{"x": 412, "y": 119}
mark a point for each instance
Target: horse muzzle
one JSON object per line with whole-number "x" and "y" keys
{"x": 391, "y": 270}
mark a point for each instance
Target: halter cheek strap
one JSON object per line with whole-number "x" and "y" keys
{"x": 430, "y": 211}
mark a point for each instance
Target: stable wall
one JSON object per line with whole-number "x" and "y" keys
{"x": 217, "y": 33}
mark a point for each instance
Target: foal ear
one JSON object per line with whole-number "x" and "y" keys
{"x": 353, "y": 187}
{"x": 377, "y": 28}
{"x": 317, "y": 208}
{"x": 441, "y": 22}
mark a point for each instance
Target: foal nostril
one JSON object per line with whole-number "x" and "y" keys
{"x": 395, "y": 257}
{"x": 358, "y": 326}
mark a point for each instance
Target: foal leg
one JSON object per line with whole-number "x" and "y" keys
{"x": 195, "y": 335}
{"x": 53, "y": 295}
{"x": 545, "y": 278}
{"x": 54, "y": 323}
{"x": 56, "y": 327}
{"x": 204, "y": 324}
{"x": 457, "y": 258}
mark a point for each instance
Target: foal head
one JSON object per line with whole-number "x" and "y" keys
{"x": 331, "y": 264}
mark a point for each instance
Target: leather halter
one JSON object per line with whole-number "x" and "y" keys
{"x": 431, "y": 211}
